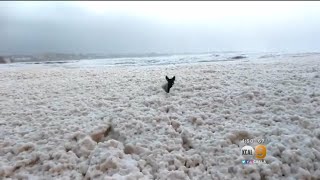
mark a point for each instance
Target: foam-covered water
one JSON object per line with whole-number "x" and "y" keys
{"x": 218, "y": 57}
{"x": 148, "y": 61}
{"x": 118, "y": 123}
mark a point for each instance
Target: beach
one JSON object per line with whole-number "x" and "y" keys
{"x": 118, "y": 123}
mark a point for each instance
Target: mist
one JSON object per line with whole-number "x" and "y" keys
{"x": 163, "y": 27}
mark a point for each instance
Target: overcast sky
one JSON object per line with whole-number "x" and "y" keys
{"x": 141, "y": 27}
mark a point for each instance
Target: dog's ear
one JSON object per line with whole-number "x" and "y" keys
{"x": 174, "y": 77}
{"x": 167, "y": 78}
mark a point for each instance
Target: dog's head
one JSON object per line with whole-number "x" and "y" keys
{"x": 170, "y": 81}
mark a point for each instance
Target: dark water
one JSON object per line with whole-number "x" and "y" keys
{"x": 161, "y": 60}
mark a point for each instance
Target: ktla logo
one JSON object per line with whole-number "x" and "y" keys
{"x": 260, "y": 152}
{"x": 247, "y": 152}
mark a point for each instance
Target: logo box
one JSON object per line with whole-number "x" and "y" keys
{"x": 258, "y": 153}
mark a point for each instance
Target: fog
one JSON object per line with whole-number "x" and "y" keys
{"x": 163, "y": 27}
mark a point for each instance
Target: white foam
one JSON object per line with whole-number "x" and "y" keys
{"x": 118, "y": 123}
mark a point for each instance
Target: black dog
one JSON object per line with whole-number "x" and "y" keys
{"x": 169, "y": 84}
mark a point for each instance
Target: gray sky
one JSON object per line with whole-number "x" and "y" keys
{"x": 141, "y": 27}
